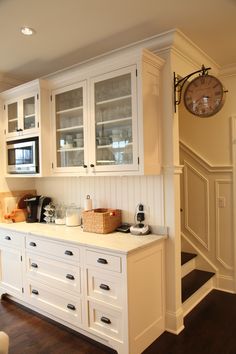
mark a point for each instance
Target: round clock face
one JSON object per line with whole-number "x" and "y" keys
{"x": 204, "y": 96}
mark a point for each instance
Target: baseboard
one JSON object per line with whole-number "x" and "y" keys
{"x": 174, "y": 321}
{"x": 225, "y": 283}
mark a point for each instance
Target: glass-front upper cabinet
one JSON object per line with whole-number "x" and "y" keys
{"x": 115, "y": 121}
{"x": 21, "y": 116}
{"x": 69, "y": 127}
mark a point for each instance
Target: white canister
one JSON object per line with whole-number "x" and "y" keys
{"x": 73, "y": 216}
{"x": 88, "y": 204}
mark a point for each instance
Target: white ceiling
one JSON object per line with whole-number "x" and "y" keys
{"x": 69, "y": 31}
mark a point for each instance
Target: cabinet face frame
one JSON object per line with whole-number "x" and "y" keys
{"x": 70, "y": 169}
{"x": 132, "y": 69}
{"x": 20, "y": 116}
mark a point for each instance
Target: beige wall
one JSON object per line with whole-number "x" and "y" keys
{"x": 211, "y": 137}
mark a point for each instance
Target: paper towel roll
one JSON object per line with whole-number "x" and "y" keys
{"x": 88, "y": 205}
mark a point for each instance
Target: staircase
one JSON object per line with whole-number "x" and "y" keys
{"x": 196, "y": 284}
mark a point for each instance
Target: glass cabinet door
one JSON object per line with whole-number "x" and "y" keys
{"x": 29, "y": 113}
{"x": 69, "y": 124}
{"x": 114, "y": 120}
{"x": 12, "y": 117}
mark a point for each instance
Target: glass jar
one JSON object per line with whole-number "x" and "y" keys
{"x": 60, "y": 214}
{"x": 73, "y": 215}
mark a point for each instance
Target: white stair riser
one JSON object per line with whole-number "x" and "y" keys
{"x": 188, "y": 267}
{"x": 193, "y": 300}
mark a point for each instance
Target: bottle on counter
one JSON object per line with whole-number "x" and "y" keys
{"x": 88, "y": 204}
{"x": 73, "y": 215}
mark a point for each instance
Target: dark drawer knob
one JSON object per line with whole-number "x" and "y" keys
{"x": 34, "y": 265}
{"x": 91, "y": 165}
{"x": 104, "y": 287}
{"x": 71, "y": 307}
{"x": 35, "y": 292}
{"x": 70, "y": 276}
{"x": 7, "y": 238}
{"x": 102, "y": 260}
{"x": 106, "y": 320}
{"x": 85, "y": 166}
{"x": 69, "y": 253}
{"x": 33, "y": 244}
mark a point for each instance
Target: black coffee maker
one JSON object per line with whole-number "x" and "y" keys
{"x": 36, "y": 207}
{"x": 32, "y": 208}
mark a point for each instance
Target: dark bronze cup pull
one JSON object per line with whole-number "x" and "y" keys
{"x": 102, "y": 260}
{"x": 34, "y": 265}
{"x": 106, "y": 320}
{"x": 7, "y": 238}
{"x": 70, "y": 276}
{"x": 104, "y": 287}
{"x": 33, "y": 244}
{"x": 69, "y": 253}
{"x": 35, "y": 292}
{"x": 71, "y": 307}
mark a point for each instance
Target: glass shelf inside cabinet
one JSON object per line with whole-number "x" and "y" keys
{"x": 12, "y": 115}
{"x": 113, "y": 118}
{"x": 70, "y": 128}
{"x": 29, "y": 113}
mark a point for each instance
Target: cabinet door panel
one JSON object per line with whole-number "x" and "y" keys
{"x": 69, "y": 126}
{"x": 11, "y": 270}
{"x": 115, "y": 120}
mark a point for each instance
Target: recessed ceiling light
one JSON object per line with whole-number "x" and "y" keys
{"x": 27, "y": 31}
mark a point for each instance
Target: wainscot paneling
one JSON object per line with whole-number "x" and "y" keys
{"x": 224, "y": 222}
{"x": 123, "y": 192}
{"x": 196, "y": 194}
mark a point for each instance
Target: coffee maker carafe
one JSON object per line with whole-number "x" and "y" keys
{"x": 32, "y": 209}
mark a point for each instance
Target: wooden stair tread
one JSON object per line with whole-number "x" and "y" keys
{"x": 193, "y": 281}
{"x": 186, "y": 257}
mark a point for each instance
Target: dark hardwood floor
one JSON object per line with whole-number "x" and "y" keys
{"x": 209, "y": 329}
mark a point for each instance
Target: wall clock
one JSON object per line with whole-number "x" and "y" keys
{"x": 204, "y": 96}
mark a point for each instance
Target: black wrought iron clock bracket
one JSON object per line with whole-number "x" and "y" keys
{"x": 179, "y": 84}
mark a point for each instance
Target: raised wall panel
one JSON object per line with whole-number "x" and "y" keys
{"x": 196, "y": 196}
{"x": 224, "y": 222}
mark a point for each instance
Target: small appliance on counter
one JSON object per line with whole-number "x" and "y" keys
{"x": 139, "y": 228}
{"x": 32, "y": 208}
{"x": 36, "y": 207}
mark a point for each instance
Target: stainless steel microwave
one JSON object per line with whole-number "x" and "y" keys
{"x": 23, "y": 156}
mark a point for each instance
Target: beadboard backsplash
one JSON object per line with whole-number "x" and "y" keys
{"x": 123, "y": 193}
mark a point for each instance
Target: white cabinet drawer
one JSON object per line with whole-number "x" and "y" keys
{"x": 56, "y": 303}
{"x": 103, "y": 261}
{"x": 105, "y": 321}
{"x": 67, "y": 252}
{"x": 11, "y": 239}
{"x": 105, "y": 287}
{"x": 55, "y": 274}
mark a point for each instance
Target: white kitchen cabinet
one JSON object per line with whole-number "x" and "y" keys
{"x": 21, "y": 116}
{"x": 26, "y": 115}
{"x": 11, "y": 263}
{"x": 110, "y": 291}
{"x": 53, "y": 278}
{"x": 70, "y": 127}
{"x": 22, "y": 109}
{"x": 110, "y": 122}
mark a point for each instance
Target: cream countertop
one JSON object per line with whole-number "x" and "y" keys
{"x": 116, "y": 241}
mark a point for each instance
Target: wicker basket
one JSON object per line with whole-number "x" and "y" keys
{"x": 101, "y": 221}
